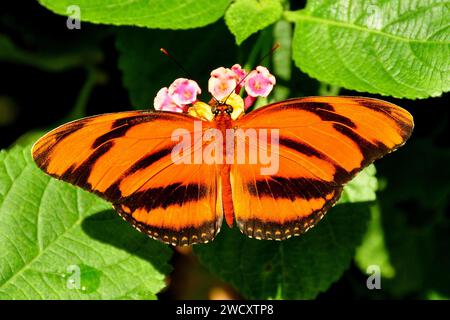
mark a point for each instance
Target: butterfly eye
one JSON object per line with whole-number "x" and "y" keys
{"x": 229, "y": 109}
{"x": 214, "y": 110}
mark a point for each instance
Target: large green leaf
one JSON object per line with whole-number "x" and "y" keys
{"x": 297, "y": 268}
{"x": 140, "y": 60}
{"x": 398, "y": 47}
{"x": 245, "y": 17}
{"x": 165, "y": 14}
{"x": 50, "y": 232}
{"x": 373, "y": 249}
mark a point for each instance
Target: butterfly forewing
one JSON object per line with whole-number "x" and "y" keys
{"x": 323, "y": 143}
{"x": 126, "y": 159}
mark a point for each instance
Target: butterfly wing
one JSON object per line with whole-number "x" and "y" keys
{"x": 126, "y": 159}
{"x": 323, "y": 143}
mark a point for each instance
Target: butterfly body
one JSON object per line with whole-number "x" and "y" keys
{"x": 319, "y": 144}
{"x": 223, "y": 122}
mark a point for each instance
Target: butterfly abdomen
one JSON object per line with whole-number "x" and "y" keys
{"x": 223, "y": 122}
{"x": 227, "y": 201}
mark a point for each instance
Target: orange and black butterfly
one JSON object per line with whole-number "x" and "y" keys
{"x": 127, "y": 159}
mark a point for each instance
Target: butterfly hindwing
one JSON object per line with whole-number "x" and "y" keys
{"x": 126, "y": 159}
{"x": 323, "y": 143}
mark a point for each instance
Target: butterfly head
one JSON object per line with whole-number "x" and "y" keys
{"x": 233, "y": 107}
{"x": 221, "y": 108}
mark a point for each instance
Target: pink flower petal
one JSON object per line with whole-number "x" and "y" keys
{"x": 164, "y": 102}
{"x": 184, "y": 91}
{"x": 240, "y": 73}
{"x": 222, "y": 82}
{"x": 259, "y": 82}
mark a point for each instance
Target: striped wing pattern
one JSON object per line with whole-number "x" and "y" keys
{"x": 126, "y": 159}
{"x": 323, "y": 143}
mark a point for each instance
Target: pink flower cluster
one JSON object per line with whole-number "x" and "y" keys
{"x": 183, "y": 92}
{"x": 180, "y": 94}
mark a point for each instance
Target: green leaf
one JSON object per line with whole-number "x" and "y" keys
{"x": 51, "y": 232}
{"x": 164, "y": 14}
{"x": 282, "y": 60}
{"x": 373, "y": 250}
{"x": 362, "y": 187}
{"x": 398, "y": 48}
{"x": 436, "y": 296}
{"x": 297, "y": 268}
{"x": 245, "y": 17}
{"x": 140, "y": 58}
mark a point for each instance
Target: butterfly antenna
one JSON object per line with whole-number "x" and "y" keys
{"x": 275, "y": 47}
{"x": 166, "y": 53}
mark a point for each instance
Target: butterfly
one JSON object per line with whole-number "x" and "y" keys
{"x": 127, "y": 159}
